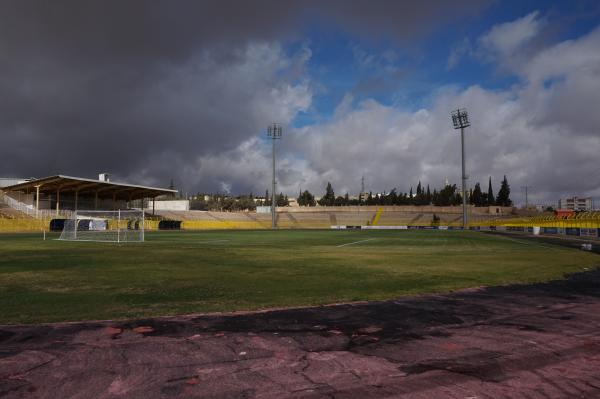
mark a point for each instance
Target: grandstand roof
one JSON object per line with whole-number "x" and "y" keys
{"x": 104, "y": 188}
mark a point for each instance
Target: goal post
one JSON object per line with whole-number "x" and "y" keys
{"x": 108, "y": 226}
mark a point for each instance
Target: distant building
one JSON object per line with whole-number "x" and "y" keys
{"x": 363, "y": 196}
{"x": 576, "y": 204}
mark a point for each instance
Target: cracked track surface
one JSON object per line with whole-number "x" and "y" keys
{"x": 534, "y": 341}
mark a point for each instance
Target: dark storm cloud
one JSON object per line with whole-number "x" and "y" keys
{"x": 141, "y": 88}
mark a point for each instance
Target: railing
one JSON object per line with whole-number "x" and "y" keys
{"x": 29, "y": 210}
{"x": 19, "y": 206}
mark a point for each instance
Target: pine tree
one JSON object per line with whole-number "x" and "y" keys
{"x": 279, "y": 199}
{"x": 306, "y": 199}
{"x": 447, "y": 196}
{"x": 477, "y": 198}
{"x": 503, "y": 198}
{"x": 392, "y": 197}
{"x": 428, "y": 196}
{"x": 490, "y": 197}
{"x": 329, "y": 198}
{"x": 370, "y": 199}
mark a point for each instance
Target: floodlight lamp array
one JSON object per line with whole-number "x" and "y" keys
{"x": 460, "y": 118}
{"x": 275, "y": 131}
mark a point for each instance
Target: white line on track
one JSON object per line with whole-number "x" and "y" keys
{"x": 355, "y": 242}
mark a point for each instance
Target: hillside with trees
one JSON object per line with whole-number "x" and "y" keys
{"x": 446, "y": 196}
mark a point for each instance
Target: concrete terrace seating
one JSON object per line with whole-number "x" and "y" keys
{"x": 287, "y": 220}
{"x": 362, "y": 218}
{"x": 306, "y": 220}
{"x": 6, "y": 212}
{"x": 391, "y": 218}
{"x": 319, "y": 218}
{"x": 186, "y": 215}
{"x": 229, "y": 215}
{"x": 216, "y": 220}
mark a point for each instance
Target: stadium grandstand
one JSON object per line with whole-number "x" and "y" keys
{"x": 29, "y": 204}
{"x": 325, "y": 217}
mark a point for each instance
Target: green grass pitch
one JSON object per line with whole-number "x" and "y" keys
{"x": 192, "y": 272}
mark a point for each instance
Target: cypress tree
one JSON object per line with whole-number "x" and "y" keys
{"x": 490, "y": 197}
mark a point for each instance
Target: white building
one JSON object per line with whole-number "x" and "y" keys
{"x": 576, "y": 204}
{"x": 169, "y": 205}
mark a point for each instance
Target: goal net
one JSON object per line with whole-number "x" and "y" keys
{"x": 110, "y": 226}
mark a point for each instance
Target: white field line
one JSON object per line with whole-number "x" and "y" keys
{"x": 355, "y": 242}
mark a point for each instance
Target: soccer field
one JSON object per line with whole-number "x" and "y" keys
{"x": 191, "y": 272}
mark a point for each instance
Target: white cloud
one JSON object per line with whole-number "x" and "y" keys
{"x": 393, "y": 148}
{"x": 566, "y": 58}
{"x": 505, "y": 39}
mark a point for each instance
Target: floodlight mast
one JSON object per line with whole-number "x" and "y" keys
{"x": 526, "y": 197}
{"x": 274, "y": 131}
{"x": 460, "y": 120}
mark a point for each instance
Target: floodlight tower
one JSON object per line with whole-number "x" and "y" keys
{"x": 460, "y": 120}
{"x": 526, "y": 196}
{"x": 274, "y": 131}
